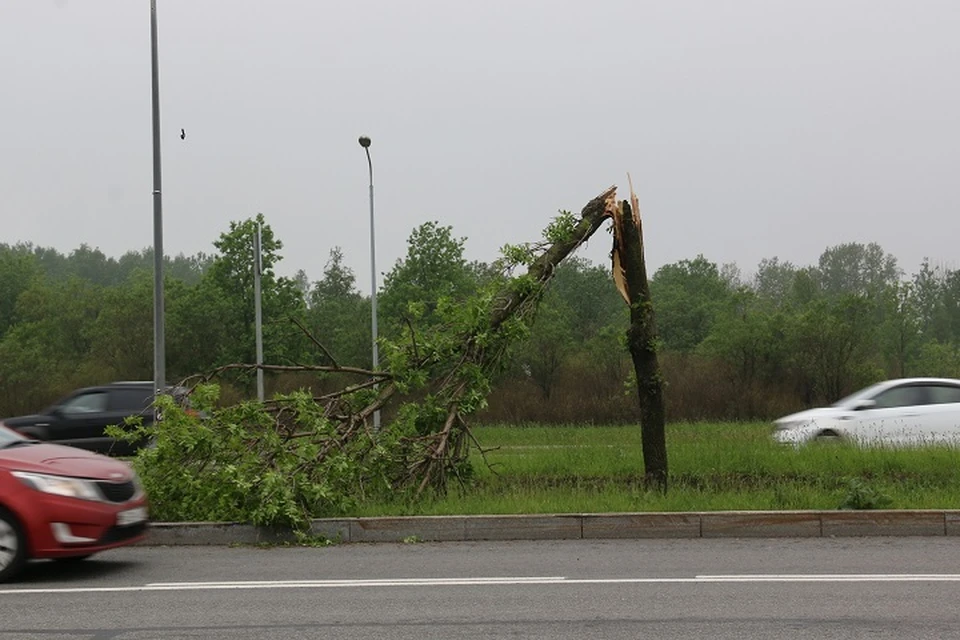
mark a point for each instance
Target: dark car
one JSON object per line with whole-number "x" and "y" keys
{"x": 79, "y": 420}
{"x": 62, "y": 503}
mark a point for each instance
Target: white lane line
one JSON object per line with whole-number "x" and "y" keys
{"x": 361, "y": 582}
{"x": 835, "y": 577}
{"x": 545, "y": 580}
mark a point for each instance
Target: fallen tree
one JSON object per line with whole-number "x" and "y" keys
{"x": 299, "y": 456}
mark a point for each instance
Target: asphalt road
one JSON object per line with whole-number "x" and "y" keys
{"x": 769, "y": 589}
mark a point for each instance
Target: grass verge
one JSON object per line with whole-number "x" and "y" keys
{"x": 713, "y": 467}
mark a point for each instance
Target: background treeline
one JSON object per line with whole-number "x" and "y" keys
{"x": 733, "y": 347}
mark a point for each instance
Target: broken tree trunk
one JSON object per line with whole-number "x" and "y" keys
{"x": 630, "y": 274}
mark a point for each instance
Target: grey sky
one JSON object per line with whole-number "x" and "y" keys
{"x": 751, "y": 128}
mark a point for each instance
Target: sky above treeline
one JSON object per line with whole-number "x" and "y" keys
{"x": 751, "y": 128}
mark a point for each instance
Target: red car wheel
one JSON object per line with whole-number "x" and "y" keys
{"x": 13, "y": 545}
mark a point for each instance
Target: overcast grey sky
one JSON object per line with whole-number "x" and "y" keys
{"x": 751, "y": 128}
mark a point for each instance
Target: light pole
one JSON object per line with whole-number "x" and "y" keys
{"x": 257, "y": 304}
{"x": 159, "y": 365}
{"x": 365, "y": 143}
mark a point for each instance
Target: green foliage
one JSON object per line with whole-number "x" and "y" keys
{"x": 560, "y": 228}
{"x": 434, "y": 272}
{"x": 831, "y": 343}
{"x": 774, "y": 282}
{"x": 861, "y": 495}
{"x": 18, "y": 268}
{"x": 857, "y": 269}
{"x": 229, "y": 281}
{"x": 688, "y": 296}
{"x": 939, "y": 359}
{"x": 248, "y": 463}
{"x": 335, "y": 312}
{"x": 517, "y": 255}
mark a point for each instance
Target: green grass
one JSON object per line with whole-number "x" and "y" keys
{"x": 592, "y": 469}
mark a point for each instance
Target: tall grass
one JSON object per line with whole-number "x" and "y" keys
{"x": 727, "y": 466}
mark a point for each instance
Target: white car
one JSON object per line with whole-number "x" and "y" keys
{"x": 905, "y": 412}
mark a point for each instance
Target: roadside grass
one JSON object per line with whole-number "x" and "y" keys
{"x": 727, "y": 466}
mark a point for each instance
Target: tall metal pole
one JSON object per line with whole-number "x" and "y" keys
{"x": 365, "y": 143}
{"x": 257, "y": 271}
{"x": 159, "y": 364}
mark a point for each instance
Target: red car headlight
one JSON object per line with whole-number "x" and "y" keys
{"x": 60, "y": 485}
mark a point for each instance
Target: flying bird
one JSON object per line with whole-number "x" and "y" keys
{"x": 183, "y": 134}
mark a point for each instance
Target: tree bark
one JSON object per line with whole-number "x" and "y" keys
{"x": 630, "y": 271}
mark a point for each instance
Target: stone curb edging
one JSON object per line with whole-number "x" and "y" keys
{"x": 585, "y": 526}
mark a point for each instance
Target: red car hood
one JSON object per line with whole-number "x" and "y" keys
{"x": 64, "y": 461}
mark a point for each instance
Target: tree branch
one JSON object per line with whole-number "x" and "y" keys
{"x": 313, "y": 339}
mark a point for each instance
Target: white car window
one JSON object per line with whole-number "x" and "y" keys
{"x": 944, "y": 395}
{"x": 906, "y": 396}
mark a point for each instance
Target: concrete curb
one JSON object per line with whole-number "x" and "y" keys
{"x": 585, "y": 526}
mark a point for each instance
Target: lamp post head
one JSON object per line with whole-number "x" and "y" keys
{"x": 364, "y": 141}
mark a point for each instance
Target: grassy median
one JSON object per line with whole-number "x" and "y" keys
{"x": 728, "y": 466}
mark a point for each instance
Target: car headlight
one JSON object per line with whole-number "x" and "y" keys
{"x": 60, "y": 485}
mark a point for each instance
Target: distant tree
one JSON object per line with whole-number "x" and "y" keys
{"x": 121, "y": 336}
{"x": 805, "y": 288}
{"x": 188, "y": 269}
{"x": 749, "y": 338}
{"x": 434, "y": 271}
{"x": 899, "y": 328}
{"x": 938, "y": 359}
{"x": 857, "y": 269}
{"x": 550, "y": 343}
{"x": 338, "y": 315}
{"x": 731, "y": 275}
{"x": 48, "y": 350}
{"x": 833, "y": 346}
{"x": 229, "y": 284}
{"x": 951, "y": 304}
{"x": 774, "y": 281}
{"x": 688, "y": 296}
{"x": 18, "y": 268}
{"x": 929, "y": 287}
{"x": 93, "y": 265}
{"x": 197, "y": 337}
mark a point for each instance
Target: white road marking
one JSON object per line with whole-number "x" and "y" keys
{"x": 835, "y": 577}
{"x": 505, "y": 581}
{"x": 353, "y": 583}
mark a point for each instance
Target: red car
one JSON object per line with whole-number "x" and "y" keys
{"x": 63, "y": 503}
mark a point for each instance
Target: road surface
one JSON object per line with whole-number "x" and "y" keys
{"x": 769, "y": 589}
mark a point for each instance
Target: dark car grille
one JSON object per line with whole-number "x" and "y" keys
{"x": 117, "y": 491}
{"x": 119, "y": 534}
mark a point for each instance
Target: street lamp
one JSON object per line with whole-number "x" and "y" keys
{"x": 159, "y": 365}
{"x": 365, "y": 143}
